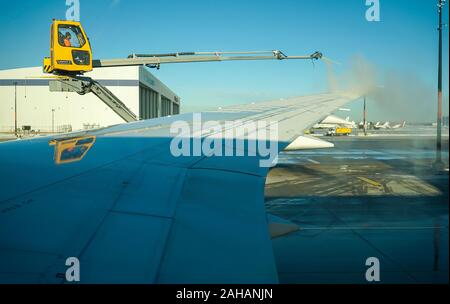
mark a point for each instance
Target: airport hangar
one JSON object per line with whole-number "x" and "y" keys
{"x": 42, "y": 111}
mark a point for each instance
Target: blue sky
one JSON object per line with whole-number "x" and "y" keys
{"x": 402, "y": 46}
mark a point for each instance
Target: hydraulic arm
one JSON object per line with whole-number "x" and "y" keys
{"x": 71, "y": 57}
{"x": 155, "y": 60}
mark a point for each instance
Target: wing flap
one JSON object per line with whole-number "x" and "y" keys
{"x": 218, "y": 235}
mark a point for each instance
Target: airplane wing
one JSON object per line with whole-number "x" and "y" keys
{"x": 132, "y": 212}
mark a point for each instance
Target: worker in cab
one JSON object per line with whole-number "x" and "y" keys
{"x": 67, "y": 40}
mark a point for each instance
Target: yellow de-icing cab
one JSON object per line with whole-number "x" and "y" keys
{"x": 70, "y": 51}
{"x": 69, "y": 150}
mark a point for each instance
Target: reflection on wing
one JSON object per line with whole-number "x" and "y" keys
{"x": 72, "y": 149}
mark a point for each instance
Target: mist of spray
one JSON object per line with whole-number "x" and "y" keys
{"x": 358, "y": 80}
{"x": 393, "y": 95}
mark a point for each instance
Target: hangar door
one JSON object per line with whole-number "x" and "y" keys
{"x": 166, "y": 105}
{"x": 148, "y": 103}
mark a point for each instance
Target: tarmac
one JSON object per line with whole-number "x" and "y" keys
{"x": 375, "y": 196}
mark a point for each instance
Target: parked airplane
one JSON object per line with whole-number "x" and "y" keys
{"x": 378, "y": 125}
{"x": 387, "y": 125}
{"x": 332, "y": 121}
{"x": 399, "y": 126}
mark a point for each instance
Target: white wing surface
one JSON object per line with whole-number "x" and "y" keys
{"x": 132, "y": 212}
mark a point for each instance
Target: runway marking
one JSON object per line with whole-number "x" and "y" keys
{"x": 313, "y": 161}
{"x": 369, "y": 181}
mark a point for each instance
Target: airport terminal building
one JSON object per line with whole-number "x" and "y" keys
{"x": 28, "y": 103}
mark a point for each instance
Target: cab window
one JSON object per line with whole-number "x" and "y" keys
{"x": 73, "y": 153}
{"x": 70, "y": 36}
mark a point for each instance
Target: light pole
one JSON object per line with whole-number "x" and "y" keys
{"x": 439, "y": 163}
{"x": 53, "y": 120}
{"x": 15, "y": 109}
{"x": 365, "y": 117}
